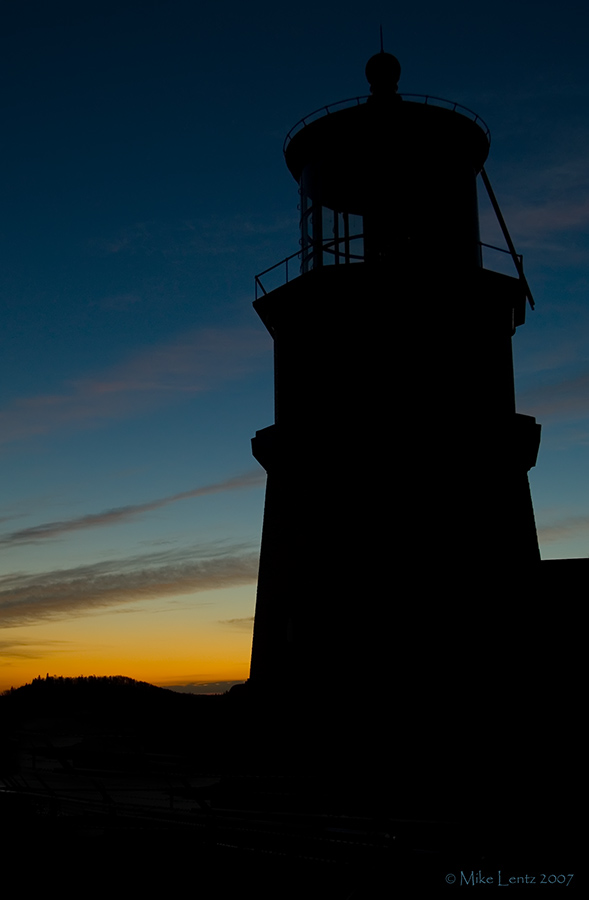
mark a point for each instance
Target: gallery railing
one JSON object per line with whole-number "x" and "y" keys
{"x": 284, "y": 271}
{"x": 426, "y": 99}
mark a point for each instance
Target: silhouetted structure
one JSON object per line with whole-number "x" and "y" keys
{"x": 397, "y": 500}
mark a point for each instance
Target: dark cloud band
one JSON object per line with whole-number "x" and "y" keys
{"x": 30, "y": 599}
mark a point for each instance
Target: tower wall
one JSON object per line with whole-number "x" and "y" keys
{"x": 397, "y": 469}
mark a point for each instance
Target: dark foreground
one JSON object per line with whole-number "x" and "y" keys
{"x": 139, "y": 789}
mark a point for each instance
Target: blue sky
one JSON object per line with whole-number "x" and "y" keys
{"x": 142, "y": 187}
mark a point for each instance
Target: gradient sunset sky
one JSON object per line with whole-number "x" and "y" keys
{"x": 142, "y": 188}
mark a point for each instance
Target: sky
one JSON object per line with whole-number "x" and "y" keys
{"x": 142, "y": 187}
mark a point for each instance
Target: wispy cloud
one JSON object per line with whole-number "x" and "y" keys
{"x": 196, "y": 362}
{"x": 62, "y": 593}
{"x": 546, "y": 218}
{"x": 30, "y": 649}
{"x": 556, "y": 225}
{"x": 571, "y": 526}
{"x": 212, "y": 236}
{"x": 120, "y": 514}
{"x": 245, "y": 624}
{"x": 546, "y": 205}
{"x": 563, "y": 400}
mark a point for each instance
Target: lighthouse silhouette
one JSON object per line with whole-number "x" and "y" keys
{"x": 397, "y": 496}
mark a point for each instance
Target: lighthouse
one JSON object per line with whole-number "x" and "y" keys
{"x": 397, "y": 505}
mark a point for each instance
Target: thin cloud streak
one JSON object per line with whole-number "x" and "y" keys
{"x": 196, "y": 362}
{"x": 564, "y": 400}
{"x": 30, "y": 649}
{"x": 552, "y": 213}
{"x": 125, "y": 513}
{"x": 566, "y": 528}
{"x": 63, "y": 593}
{"x": 535, "y": 224}
{"x": 244, "y": 624}
{"x": 205, "y": 237}
{"x": 542, "y": 219}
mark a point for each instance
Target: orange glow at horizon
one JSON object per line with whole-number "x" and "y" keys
{"x": 193, "y": 641}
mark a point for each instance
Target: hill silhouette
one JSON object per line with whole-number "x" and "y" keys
{"x": 105, "y": 711}
{"x": 94, "y": 704}
{"x": 86, "y": 695}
